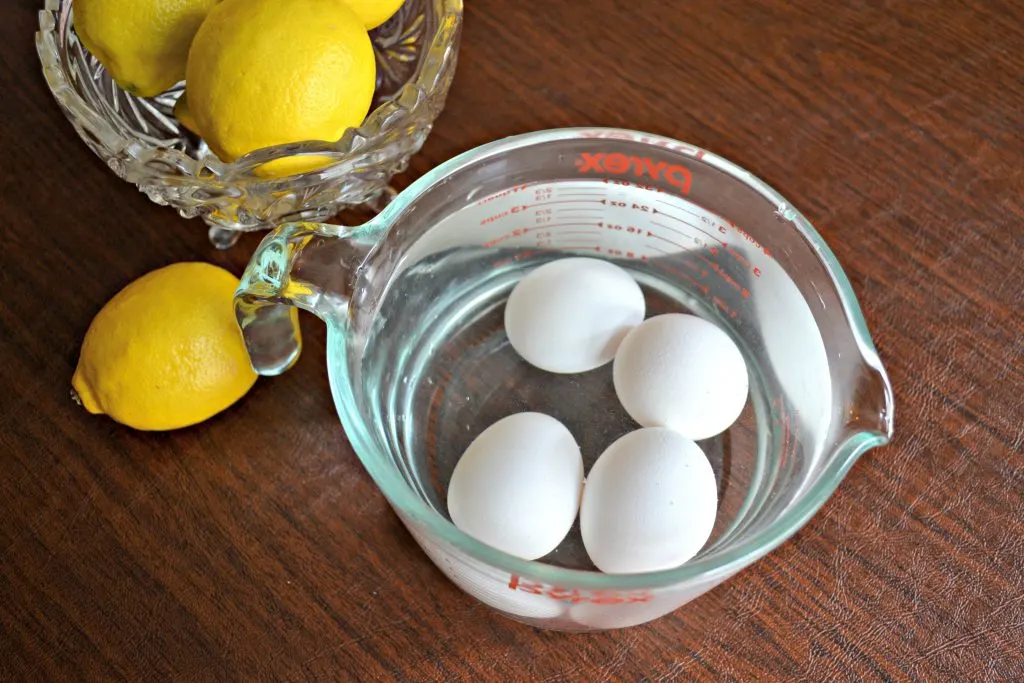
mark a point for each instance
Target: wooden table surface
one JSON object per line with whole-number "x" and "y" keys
{"x": 255, "y": 547}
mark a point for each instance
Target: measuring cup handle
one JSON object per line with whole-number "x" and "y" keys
{"x": 310, "y": 266}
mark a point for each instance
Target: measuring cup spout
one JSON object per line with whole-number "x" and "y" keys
{"x": 876, "y": 406}
{"x": 869, "y": 407}
{"x": 311, "y": 266}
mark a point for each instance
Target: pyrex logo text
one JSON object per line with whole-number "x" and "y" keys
{"x": 620, "y": 164}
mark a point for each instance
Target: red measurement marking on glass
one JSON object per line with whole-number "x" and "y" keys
{"x": 688, "y": 224}
{"x": 625, "y": 253}
{"x": 686, "y": 276}
{"x": 503, "y": 214}
{"x": 679, "y": 207}
{"x": 550, "y": 226}
{"x": 696, "y": 240}
{"x": 725, "y": 308}
{"x": 790, "y": 438}
{"x": 740, "y": 258}
{"x": 725, "y": 276}
{"x": 526, "y": 207}
{"x": 593, "y": 213}
{"x": 562, "y": 201}
{"x": 562, "y": 225}
{"x": 665, "y": 239}
{"x": 500, "y": 195}
{"x": 575, "y": 247}
{"x": 785, "y": 432}
{"x": 745, "y": 235}
{"x": 576, "y": 596}
{"x": 519, "y": 232}
{"x": 785, "y": 422}
{"x": 507, "y": 236}
{"x": 639, "y": 208}
{"x": 719, "y": 222}
{"x": 631, "y": 229}
{"x": 521, "y": 256}
{"x": 626, "y": 183}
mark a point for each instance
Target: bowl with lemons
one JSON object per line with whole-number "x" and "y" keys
{"x": 249, "y": 113}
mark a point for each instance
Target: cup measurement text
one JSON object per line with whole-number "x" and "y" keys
{"x": 574, "y": 596}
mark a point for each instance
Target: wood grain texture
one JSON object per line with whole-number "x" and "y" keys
{"x": 255, "y": 548}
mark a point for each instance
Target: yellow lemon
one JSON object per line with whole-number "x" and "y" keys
{"x": 270, "y": 72}
{"x": 373, "y": 13}
{"x": 143, "y": 44}
{"x": 165, "y": 352}
{"x": 184, "y": 116}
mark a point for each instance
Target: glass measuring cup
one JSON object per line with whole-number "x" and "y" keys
{"x": 419, "y": 363}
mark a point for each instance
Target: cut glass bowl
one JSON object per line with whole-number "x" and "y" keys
{"x": 142, "y": 142}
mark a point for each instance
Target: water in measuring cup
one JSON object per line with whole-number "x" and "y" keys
{"x": 443, "y": 370}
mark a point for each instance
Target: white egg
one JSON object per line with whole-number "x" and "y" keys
{"x": 619, "y": 616}
{"x": 571, "y": 315}
{"x": 681, "y": 372}
{"x": 517, "y": 486}
{"x": 649, "y": 503}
